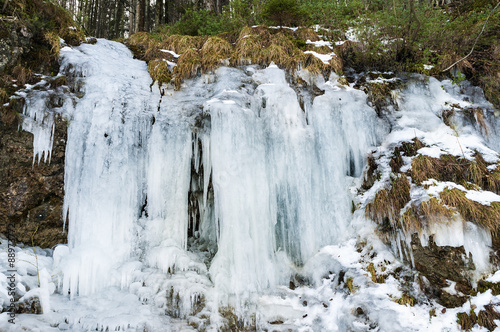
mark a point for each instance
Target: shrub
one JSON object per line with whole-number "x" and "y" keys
{"x": 285, "y": 12}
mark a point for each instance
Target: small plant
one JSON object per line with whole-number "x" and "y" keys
{"x": 458, "y": 78}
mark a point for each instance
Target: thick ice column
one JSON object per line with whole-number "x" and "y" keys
{"x": 245, "y": 261}
{"x": 168, "y": 180}
{"x": 291, "y": 164}
{"x": 107, "y": 138}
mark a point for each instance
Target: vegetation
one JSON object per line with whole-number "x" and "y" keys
{"x": 486, "y": 318}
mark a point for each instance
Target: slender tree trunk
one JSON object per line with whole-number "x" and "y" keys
{"x": 132, "y": 11}
{"x": 141, "y": 8}
{"x": 159, "y": 12}
{"x": 117, "y": 31}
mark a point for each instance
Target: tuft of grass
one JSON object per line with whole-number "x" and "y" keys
{"x": 337, "y": 65}
{"x": 249, "y": 50}
{"x": 387, "y": 205}
{"x": 306, "y": 34}
{"x": 159, "y": 71}
{"x": 180, "y": 44}
{"x": 408, "y": 149}
{"x": 406, "y": 299}
{"x": 485, "y": 216}
{"x": 486, "y": 318}
{"x": 22, "y": 75}
{"x": 350, "y": 285}
{"x": 313, "y": 64}
{"x": 52, "y": 38}
{"x": 188, "y": 65}
{"x": 214, "y": 52}
{"x": 279, "y": 56}
{"x": 379, "y": 279}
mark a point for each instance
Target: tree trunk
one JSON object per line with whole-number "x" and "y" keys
{"x": 159, "y": 13}
{"x": 132, "y": 18}
{"x": 141, "y": 8}
{"x": 117, "y": 31}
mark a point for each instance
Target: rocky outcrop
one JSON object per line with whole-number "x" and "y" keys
{"x": 15, "y": 40}
{"x": 31, "y": 195}
{"x": 440, "y": 264}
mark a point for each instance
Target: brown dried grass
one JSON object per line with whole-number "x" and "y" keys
{"x": 485, "y": 216}
{"x": 187, "y": 66}
{"x": 180, "y": 44}
{"x": 158, "y": 69}
{"x": 214, "y": 51}
{"x": 306, "y": 34}
{"x": 387, "y": 204}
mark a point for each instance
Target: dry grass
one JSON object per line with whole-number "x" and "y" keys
{"x": 387, "y": 205}
{"x": 485, "y": 216}
{"x": 260, "y": 31}
{"x": 214, "y": 51}
{"x": 180, "y": 44}
{"x": 22, "y": 75}
{"x": 458, "y": 170}
{"x": 187, "y": 66}
{"x": 279, "y": 56}
{"x": 154, "y": 52}
{"x": 53, "y": 39}
{"x": 408, "y": 149}
{"x": 433, "y": 211}
{"x": 486, "y": 318}
{"x": 406, "y": 299}
{"x": 249, "y": 50}
{"x": 140, "y": 38}
{"x": 306, "y": 34}
{"x": 379, "y": 279}
{"x": 158, "y": 69}
{"x": 313, "y": 64}
{"x": 337, "y": 65}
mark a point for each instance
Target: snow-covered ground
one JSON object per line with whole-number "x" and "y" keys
{"x": 271, "y": 235}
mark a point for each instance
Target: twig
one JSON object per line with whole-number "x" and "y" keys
{"x": 475, "y": 42}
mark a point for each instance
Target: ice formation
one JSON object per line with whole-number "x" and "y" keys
{"x": 217, "y": 195}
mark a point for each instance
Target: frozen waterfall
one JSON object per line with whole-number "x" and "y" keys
{"x": 225, "y": 188}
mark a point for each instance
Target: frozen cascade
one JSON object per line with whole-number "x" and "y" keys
{"x": 216, "y": 194}
{"x": 279, "y": 185}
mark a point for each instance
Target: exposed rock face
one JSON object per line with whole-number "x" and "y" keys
{"x": 15, "y": 40}
{"x": 31, "y": 195}
{"x": 439, "y": 264}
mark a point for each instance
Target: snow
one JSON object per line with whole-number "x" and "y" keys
{"x": 170, "y": 52}
{"x": 325, "y": 58}
{"x": 320, "y": 43}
